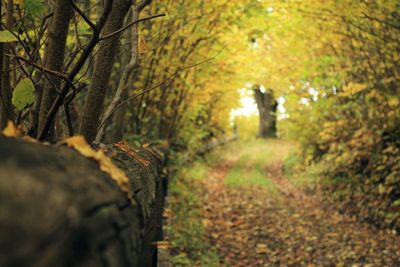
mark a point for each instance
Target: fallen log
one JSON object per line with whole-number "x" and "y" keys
{"x": 57, "y": 208}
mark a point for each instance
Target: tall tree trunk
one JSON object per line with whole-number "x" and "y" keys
{"x": 266, "y": 105}
{"x": 123, "y": 82}
{"x": 6, "y": 109}
{"x": 102, "y": 71}
{"x": 54, "y": 58}
{"x": 3, "y": 111}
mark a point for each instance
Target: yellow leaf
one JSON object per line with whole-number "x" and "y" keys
{"x": 381, "y": 189}
{"x": 261, "y": 249}
{"x": 167, "y": 213}
{"x": 106, "y": 165}
{"x": 352, "y": 88}
{"x": 162, "y": 244}
{"x": 11, "y": 130}
{"x": 143, "y": 47}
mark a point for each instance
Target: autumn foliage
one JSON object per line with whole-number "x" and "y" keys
{"x": 171, "y": 70}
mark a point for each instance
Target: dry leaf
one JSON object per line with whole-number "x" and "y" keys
{"x": 215, "y": 235}
{"x": 261, "y": 249}
{"x": 162, "y": 244}
{"x": 167, "y": 213}
{"x": 105, "y": 163}
{"x": 124, "y": 146}
{"x": 143, "y": 47}
{"x": 206, "y": 222}
{"x": 152, "y": 151}
{"x": 11, "y": 130}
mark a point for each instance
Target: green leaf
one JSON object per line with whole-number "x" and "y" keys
{"x": 6, "y": 37}
{"x": 34, "y": 7}
{"x": 23, "y": 94}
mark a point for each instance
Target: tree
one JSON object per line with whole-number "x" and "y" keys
{"x": 102, "y": 71}
{"x": 54, "y": 60}
{"x": 6, "y": 109}
{"x": 267, "y": 106}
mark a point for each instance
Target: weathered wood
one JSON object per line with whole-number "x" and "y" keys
{"x": 267, "y": 106}
{"x": 58, "y": 209}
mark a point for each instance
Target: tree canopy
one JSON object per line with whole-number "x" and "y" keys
{"x": 171, "y": 70}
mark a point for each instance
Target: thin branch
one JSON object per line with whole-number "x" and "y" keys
{"x": 142, "y": 5}
{"x": 71, "y": 95}
{"x": 19, "y": 40}
{"x": 78, "y": 65}
{"x": 129, "y": 25}
{"x": 156, "y": 86}
{"x": 41, "y": 68}
{"x": 125, "y": 74}
{"x": 83, "y": 15}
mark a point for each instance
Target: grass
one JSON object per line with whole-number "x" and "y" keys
{"x": 255, "y": 156}
{"x": 189, "y": 247}
{"x": 187, "y": 233}
{"x": 243, "y": 175}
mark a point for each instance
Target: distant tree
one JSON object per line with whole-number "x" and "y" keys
{"x": 266, "y": 105}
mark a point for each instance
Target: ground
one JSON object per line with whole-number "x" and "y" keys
{"x": 254, "y": 215}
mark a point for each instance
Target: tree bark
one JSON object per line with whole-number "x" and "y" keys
{"x": 2, "y": 102}
{"x": 57, "y": 208}
{"x": 102, "y": 71}
{"x": 124, "y": 77}
{"x": 266, "y": 105}
{"x": 54, "y": 58}
{"x": 6, "y": 109}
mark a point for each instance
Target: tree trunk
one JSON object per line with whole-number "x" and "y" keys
{"x": 102, "y": 71}
{"x": 123, "y": 82}
{"x": 3, "y": 111}
{"x": 54, "y": 58}
{"x": 6, "y": 109}
{"x": 266, "y": 105}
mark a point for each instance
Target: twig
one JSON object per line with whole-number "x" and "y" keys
{"x": 78, "y": 65}
{"x": 83, "y": 15}
{"x": 36, "y": 66}
{"x": 129, "y": 25}
{"x": 156, "y": 86}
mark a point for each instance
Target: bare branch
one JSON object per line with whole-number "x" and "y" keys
{"x": 142, "y": 5}
{"x": 105, "y": 120}
{"x": 129, "y": 25}
{"x": 41, "y": 68}
{"x": 78, "y": 65}
{"x": 83, "y": 15}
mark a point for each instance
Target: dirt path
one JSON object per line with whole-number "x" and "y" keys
{"x": 253, "y": 226}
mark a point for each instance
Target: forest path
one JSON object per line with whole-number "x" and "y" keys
{"x": 255, "y": 216}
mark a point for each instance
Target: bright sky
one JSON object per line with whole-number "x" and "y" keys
{"x": 249, "y": 107}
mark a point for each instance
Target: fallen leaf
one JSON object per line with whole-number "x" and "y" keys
{"x": 125, "y": 147}
{"x": 215, "y": 235}
{"x": 106, "y": 165}
{"x": 11, "y": 130}
{"x": 167, "y": 213}
{"x": 261, "y": 249}
{"x": 162, "y": 244}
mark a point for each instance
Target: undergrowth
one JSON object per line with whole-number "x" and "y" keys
{"x": 189, "y": 247}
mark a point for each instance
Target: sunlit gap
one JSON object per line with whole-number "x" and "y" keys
{"x": 248, "y": 106}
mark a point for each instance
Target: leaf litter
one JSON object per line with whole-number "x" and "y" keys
{"x": 250, "y": 226}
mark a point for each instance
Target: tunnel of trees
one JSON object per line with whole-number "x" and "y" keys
{"x": 169, "y": 73}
